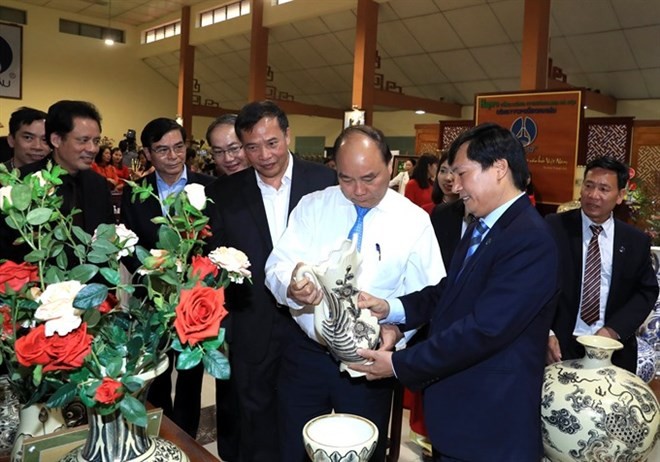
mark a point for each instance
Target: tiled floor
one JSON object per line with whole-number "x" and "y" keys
{"x": 410, "y": 452}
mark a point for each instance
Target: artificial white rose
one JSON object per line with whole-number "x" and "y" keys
{"x": 5, "y": 193}
{"x": 196, "y": 195}
{"x": 234, "y": 261}
{"x": 127, "y": 240}
{"x": 57, "y": 308}
{"x": 40, "y": 177}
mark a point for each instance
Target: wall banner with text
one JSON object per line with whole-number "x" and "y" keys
{"x": 548, "y": 126}
{"x": 11, "y": 57}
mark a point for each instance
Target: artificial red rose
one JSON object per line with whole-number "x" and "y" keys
{"x": 16, "y": 275}
{"x": 109, "y": 391}
{"x": 7, "y": 325}
{"x": 632, "y": 186}
{"x": 199, "y": 313}
{"x": 203, "y": 266}
{"x": 31, "y": 348}
{"x": 205, "y": 232}
{"x": 68, "y": 352}
{"x": 108, "y": 304}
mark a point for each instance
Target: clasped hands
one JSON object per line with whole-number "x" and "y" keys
{"x": 379, "y": 366}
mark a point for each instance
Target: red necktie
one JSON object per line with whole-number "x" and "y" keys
{"x": 590, "y": 311}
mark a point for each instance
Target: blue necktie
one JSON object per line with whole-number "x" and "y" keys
{"x": 359, "y": 225}
{"x": 477, "y": 236}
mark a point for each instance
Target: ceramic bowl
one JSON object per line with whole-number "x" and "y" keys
{"x": 340, "y": 438}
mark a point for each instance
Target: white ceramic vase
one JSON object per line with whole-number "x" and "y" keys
{"x": 594, "y": 411}
{"x": 338, "y": 322}
{"x": 35, "y": 420}
{"x": 9, "y": 408}
{"x": 340, "y": 438}
{"x": 655, "y": 260}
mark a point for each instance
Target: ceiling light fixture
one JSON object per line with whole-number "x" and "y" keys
{"x": 420, "y": 112}
{"x": 108, "y": 33}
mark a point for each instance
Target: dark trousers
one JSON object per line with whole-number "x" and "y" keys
{"x": 227, "y": 419}
{"x": 187, "y": 404}
{"x": 311, "y": 385}
{"x": 256, "y": 386}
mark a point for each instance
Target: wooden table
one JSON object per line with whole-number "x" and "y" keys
{"x": 171, "y": 432}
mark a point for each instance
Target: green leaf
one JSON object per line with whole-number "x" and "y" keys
{"x": 189, "y": 358}
{"x": 111, "y": 275}
{"x": 83, "y": 273}
{"x": 36, "y": 256}
{"x": 133, "y": 411}
{"x": 97, "y": 257}
{"x": 132, "y": 384}
{"x": 215, "y": 343}
{"x": 176, "y": 344}
{"x": 91, "y": 317}
{"x": 62, "y": 261}
{"x": 38, "y": 216}
{"x": 90, "y": 296}
{"x": 168, "y": 239}
{"x": 82, "y": 236}
{"x": 62, "y": 395}
{"x": 54, "y": 274}
{"x": 21, "y": 196}
{"x": 217, "y": 364}
{"x": 87, "y": 400}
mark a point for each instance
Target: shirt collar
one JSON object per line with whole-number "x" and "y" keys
{"x": 608, "y": 225}
{"x": 495, "y": 215}
{"x": 182, "y": 179}
{"x": 286, "y": 179}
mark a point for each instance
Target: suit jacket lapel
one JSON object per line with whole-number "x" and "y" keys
{"x": 575, "y": 243}
{"x": 255, "y": 204}
{"x": 618, "y": 256}
{"x": 298, "y": 184}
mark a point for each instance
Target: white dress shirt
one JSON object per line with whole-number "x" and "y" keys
{"x": 401, "y": 180}
{"x": 606, "y": 246}
{"x": 276, "y": 202}
{"x": 400, "y": 253}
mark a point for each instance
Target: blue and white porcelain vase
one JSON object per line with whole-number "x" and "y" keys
{"x": 592, "y": 410}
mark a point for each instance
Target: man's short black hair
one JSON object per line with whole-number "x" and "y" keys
{"x": 253, "y": 112}
{"x": 610, "y": 163}
{"x": 157, "y": 128}
{"x": 24, "y": 116}
{"x": 488, "y": 143}
{"x": 61, "y": 114}
{"x": 224, "y": 119}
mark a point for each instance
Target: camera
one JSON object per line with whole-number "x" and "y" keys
{"x": 128, "y": 147}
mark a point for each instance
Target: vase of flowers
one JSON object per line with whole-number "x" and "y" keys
{"x": 64, "y": 334}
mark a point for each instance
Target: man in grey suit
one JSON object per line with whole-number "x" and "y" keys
{"x": 250, "y": 213}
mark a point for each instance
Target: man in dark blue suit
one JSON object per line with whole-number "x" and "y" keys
{"x": 481, "y": 367}
{"x": 163, "y": 141}
{"x": 250, "y": 212}
{"x": 627, "y": 287}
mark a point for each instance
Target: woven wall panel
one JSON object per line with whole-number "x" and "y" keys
{"x": 648, "y": 169}
{"x": 450, "y": 133}
{"x": 607, "y": 140}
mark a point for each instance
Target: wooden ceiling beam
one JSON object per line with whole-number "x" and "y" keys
{"x": 186, "y": 72}
{"x": 258, "y": 53}
{"x": 414, "y": 103}
{"x": 536, "y": 36}
{"x": 211, "y": 111}
{"x": 294, "y": 107}
{"x": 592, "y": 99}
{"x": 364, "y": 58}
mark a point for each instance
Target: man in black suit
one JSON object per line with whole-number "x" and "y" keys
{"x": 163, "y": 141}
{"x": 250, "y": 213}
{"x": 73, "y": 131}
{"x": 625, "y": 284}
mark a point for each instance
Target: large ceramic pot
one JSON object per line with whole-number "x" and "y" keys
{"x": 340, "y": 438}
{"x": 594, "y": 411}
{"x": 655, "y": 259}
{"x": 111, "y": 438}
{"x": 35, "y": 420}
{"x": 338, "y": 322}
{"x": 9, "y": 407}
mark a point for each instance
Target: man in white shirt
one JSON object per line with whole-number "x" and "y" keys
{"x": 399, "y": 254}
{"x": 623, "y": 286}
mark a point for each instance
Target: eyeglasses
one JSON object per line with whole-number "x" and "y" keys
{"x": 162, "y": 151}
{"x": 233, "y": 150}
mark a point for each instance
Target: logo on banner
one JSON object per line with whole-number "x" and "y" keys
{"x": 525, "y": 129}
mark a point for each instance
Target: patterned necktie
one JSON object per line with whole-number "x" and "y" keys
{"x": 358, "y": 225}
{"x": 590, "y": 311}
{"x": 477, "y": 236}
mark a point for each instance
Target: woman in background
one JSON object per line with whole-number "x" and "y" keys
{"x": 442, "y": 187}
{"x": 103, "y": 166}
{"x": 419, "y": 187}
{"x": 402, "y": 178}
{"x": 123, "y": 173}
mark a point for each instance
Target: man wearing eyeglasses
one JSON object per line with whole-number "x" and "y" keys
{"x": 226, "y": 148}
{"x": 73, "y": 131}
{"x": 163, "y": 142}
{"x": 250, "y": 212}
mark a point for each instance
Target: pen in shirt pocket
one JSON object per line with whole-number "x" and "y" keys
{"x": 378, "y": 250}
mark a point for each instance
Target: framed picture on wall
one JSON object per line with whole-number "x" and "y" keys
{"x": 397, "y": 166}
{"x": 354, "y": 117}
{"x": 11, "y": 61}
